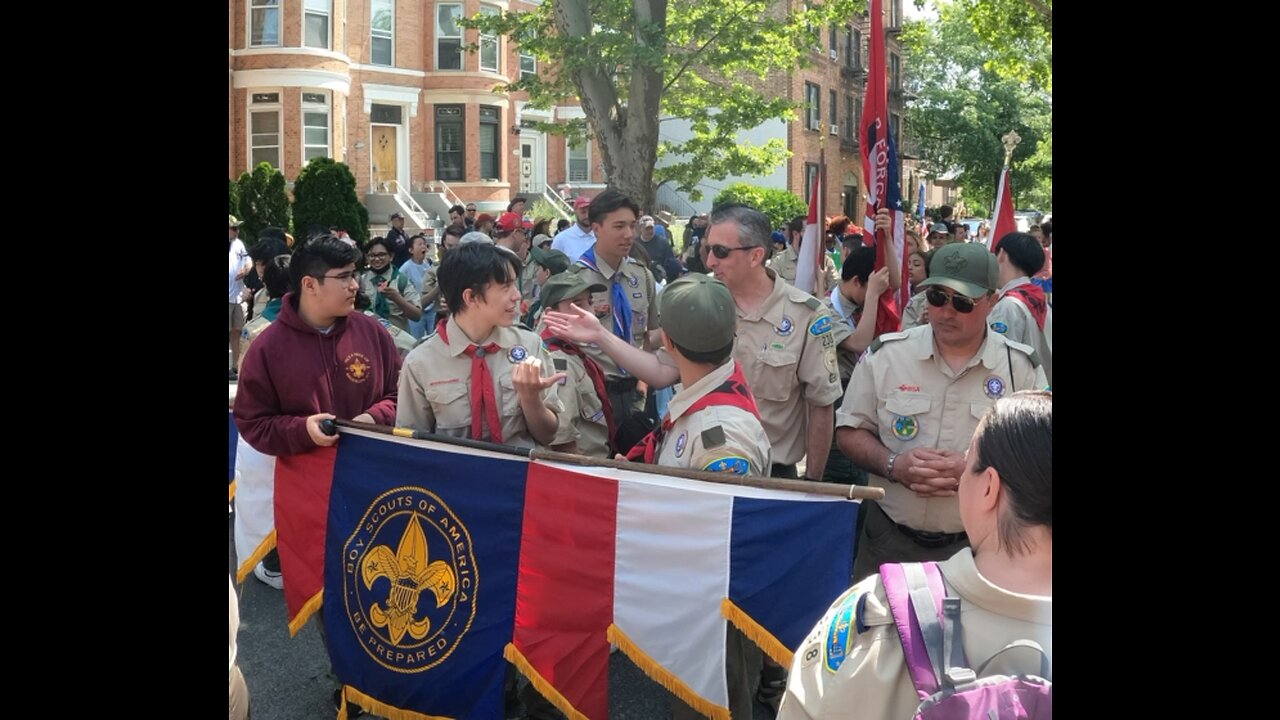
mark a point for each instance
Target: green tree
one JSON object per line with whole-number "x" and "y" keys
{"x": 324, "y": 195}
{"x": 263, "y": 201}
{"x": 633, "y": 65}
{"x": 963, "y": 109}
{"x": 778, "y": 205}
{"x": 233, "y": 198}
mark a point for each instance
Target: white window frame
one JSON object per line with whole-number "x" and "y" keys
{"x": 264, "y": 108}
{"x": 530, "y": 57}
{"x": 269, "y": 5}
{"x": 382, "y": 34}
{"x": 314, "y": 107}
{"x": 568, "y": 162}
{"x": 496, "y": 40}
{"x": 462, "y": 61}
{"x": 813, "y": 113}
{"x": 326, "y": 13}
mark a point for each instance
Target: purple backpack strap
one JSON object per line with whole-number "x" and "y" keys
{"x": 924, "y": 659}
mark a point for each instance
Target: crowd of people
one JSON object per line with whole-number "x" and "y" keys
{"x": 604, "y": 339}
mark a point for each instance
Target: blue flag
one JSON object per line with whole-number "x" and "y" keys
{"x": 421, "y": 556}
{"x": 920, "y": 203}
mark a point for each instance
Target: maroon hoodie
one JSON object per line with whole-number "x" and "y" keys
{"x": 293, "y": 371}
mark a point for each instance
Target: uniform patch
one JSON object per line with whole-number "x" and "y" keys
{"x": 839, "y": 635}
{"x": 560, "y": 363}
{"x": 905, "y": 427}
{"x": 785, "y": 327}
{"x": 357, "y": 366}
{"x": 637, "y": 295}
{"x": 732, "y": 465}
{"x": 811, "y": 655}
{"x": 909, "y": 388}
{"x": 820, "y": 326}
{"x": 244, "y": 334}
{"x": 993, "y": 386}
{"x": 778, "y": 346}
{"x": 713, "y": 437}
{"x": 1000, "y": 327}
{"x": 829, "y": 358}
{"x": 829, "y": 340}
{"x": 517, "y": 354}
{"x": 680, "y": 443}
{"x": 633, "y": 281}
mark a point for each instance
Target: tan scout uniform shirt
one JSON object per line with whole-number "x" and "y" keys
{"x": 403, "y": 340}
{"x": 435, "y": 385}
{"x": 527, "y": 282}
{"x": 907, "y": 395}
{"x": 410, "y": 293}
{"x": 784, "y": 264}
{"x": 642, "y": 293}
{"x": 583, "y": 419}
{"x": 252, "y": 330}
{"x": 845, "y": 312}
{"x": 872, "y": 681}
{"x": 914, "y": 314}
{"x": 787, "y": 346}
{"x": 721, "y": 438}
{"x": 1012, "y": 318}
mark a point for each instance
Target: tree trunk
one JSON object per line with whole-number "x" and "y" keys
{"x": 626, "y": 134}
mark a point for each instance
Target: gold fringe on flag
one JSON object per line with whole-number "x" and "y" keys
{"x": 309, "y": 608}
{"x": 752, "y": 629}
{"x": 231, "y": 491}
{"x": 267, "y": 545}
{"x": 664, "y": 677}
{"x": 517, "y": 658}
{"x": 379, "y": 708}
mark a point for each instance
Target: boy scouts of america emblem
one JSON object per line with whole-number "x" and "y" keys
{"x": 905, "y": 427}
{"x": 409, "y": 580}
{"x": 680, "y": 441}
{"x": 357, "y": 367}
{"x": 994, "y": 387}
{"x": 633, "y": 281}
{"x": 784, "y": 328}
{"x": 517, "y": 354}
{"x": 1000, "y": 327}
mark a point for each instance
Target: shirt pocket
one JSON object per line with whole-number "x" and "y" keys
{"x": 589, "y": 405}
{"x": 510, "y": 401}
{"x": 905, "y": 418}
{"x": 451, "y": 404}
{"x": 777, "y": 375}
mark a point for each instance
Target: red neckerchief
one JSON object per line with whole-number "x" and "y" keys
{"x": 733, "y": 392}
{"x": 484, "y": 403}
{"x": 1032, "y": 296}
{"x": 593, "y": 371}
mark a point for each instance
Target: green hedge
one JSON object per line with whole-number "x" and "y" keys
{"x": 778, "y": 205}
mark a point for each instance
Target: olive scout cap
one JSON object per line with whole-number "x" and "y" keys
{"x": 554, "y": 261}
{"x": 698, "y": 313}
{"x": 968, "y": 268}
{"x": 566, "y": 286}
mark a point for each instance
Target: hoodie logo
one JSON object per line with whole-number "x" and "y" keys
{"x": 357, "y": 367}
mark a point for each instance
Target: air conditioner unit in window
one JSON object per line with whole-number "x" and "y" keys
{"x": 835, "y": 129}
{"x": 832, "y": 53}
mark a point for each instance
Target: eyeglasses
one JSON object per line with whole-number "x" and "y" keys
{"x": 722, "y": 251}
{"x": 378, "y": 255}
{"x": 937, "y": 298}
{"x": 345, "y": 277}
{"x": 471, "y": 209}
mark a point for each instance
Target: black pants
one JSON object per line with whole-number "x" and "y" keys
{"x": 882, "y": 541}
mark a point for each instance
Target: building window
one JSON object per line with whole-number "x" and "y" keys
{"x": 264, "y": 22}
{"x": 895, "y": 13}
{"x": 813, "y": 99}
{"x": 831, "y": 99}
{"x": 857, "y": 118}
{"x": 810, "y": 176}
{"x": 490, "y": 141}
{"x": 895, "y": 67}
{"x": 831, "y": 41}
{"x": 264, "y": 129}
{"x": 315, "y": 126}
{"x": 579, "y": 162}
{"x": 848, "y": 117}
{"x": 848, "y": 45}
{"x": 895, "y": 127}
{"x": 449, "y": 147}
{"x": 857, "y": 48}
{"x": 315, "y": 24}
{"x": 448, "y": 37}
{"x": 382, "y": 48}
{"x": 528, "y": 66}
{"x": 385, "y": 114}
{"x": 489, "y": 44}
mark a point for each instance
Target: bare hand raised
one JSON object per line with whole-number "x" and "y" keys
{"x": 578, "y": 325}
{"x": 527, "y": 378}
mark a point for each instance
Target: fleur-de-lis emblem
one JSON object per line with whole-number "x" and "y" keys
{"x": 410, "y": 574}
{"x": 358, "y": 369}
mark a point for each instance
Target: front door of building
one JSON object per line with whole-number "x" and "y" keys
{"x": 531, "y": 174}
{"x": 384, "y": 157}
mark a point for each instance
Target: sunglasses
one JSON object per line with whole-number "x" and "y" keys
{"x": 937, "y": 298}
{"x": 722, "y": 252}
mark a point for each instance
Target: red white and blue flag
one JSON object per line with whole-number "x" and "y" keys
{"x": 809, "y": 259}
{"x": 1005, "y": 222}
{"x": 437, "y": 564}
{"x": 880, "y": 170}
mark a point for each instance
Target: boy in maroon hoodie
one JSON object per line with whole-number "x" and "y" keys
{"x": 318, "y": 360}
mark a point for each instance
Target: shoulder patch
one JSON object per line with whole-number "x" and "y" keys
{"x": 733, "y": 465}
{"x": 841, "y": 630}
{"x": 560, "y": 363}
{"x": 887, "y": 337}
{"x": 812, "y": 303}
{"x": 713, "y": 437}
